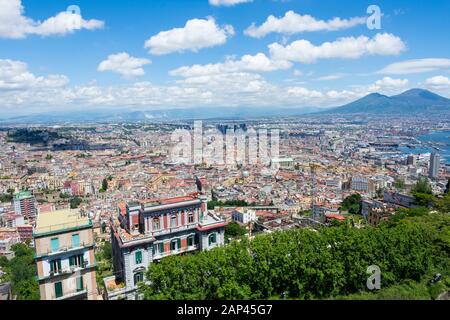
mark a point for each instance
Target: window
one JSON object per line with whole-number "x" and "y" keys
{"x": 76, "y": 261}
{"x": 138, "y": 277}
{"x": 75, "y": 240}
{"x": 212, "y": 239}
{"x": 155, "y": 223}
{"x": 190, "y": 241}
{"x": 173, "y": 245}
{"x": 55, "y": 244}
{"x": 58, "y": 290}
{"x": 80, "y": 284}
{"x": 161, "y": 247}
{"x": 55, "y": 266}
{"x": 173, "y": 220}
{"x": 191, "y": 218}
{"x": 138, "y": 257}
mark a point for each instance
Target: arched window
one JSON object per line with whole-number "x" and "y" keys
{"x": 212, "y": 239}
{"x": 138, "y": 277}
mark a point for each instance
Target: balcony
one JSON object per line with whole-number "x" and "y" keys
{"x": 72, "y": 295}
{"x": 66, "y": 249}
{"x": 68, "y": 271}
{"x": 169, "y": 230}
{"x": 159, "y": 255}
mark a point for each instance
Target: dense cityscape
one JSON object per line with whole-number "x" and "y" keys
{"x": 117, "y": 186}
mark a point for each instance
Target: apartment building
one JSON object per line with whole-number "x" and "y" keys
{"x": 25, "y": 205}
{"x": 64, "y": 243}
{"x": 145, "y": 232}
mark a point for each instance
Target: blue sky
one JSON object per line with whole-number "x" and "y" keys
{"x": 298, "y": 58}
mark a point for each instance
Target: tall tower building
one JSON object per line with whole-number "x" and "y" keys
{"x": 411, "y": 160}
{"x": 433, "y": 170}
{"x": 25, "y": 204}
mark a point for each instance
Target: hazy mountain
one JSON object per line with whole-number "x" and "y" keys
{"x": 102, "y": 115}
{"x": 413, "y": 101}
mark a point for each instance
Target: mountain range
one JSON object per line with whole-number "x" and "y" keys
{"x": 411, "y": 102}
{"x": 414, "y": 101}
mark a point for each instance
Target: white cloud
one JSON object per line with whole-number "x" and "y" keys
{"x": 227, "y": 3}
{"x": 253, "y": 63}
{"x": 124, "y": 64}
{"x": 438, "y": 83}
{"x": 331, "y": 77}
{"x": 195, "y": 35}
{"x": 14, "y": 25}
{"x": 304, "y": 93}
{"x": 416, "y": 66}
{"x": 390, "y": 82}
{"x": 297, "y": 73}
{"x": 14, "y": 75}
{"x": 293, "y": 23}
{"x": 344, "y": 48}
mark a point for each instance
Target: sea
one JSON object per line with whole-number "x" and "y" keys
{"x": 442, "y": 138}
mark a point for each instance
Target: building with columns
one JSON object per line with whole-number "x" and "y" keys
{"x": 147, "y": 231}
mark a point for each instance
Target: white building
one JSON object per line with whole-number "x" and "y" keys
{"x": 244, "y": 215}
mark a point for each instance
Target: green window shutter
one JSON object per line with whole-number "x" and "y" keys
{"x": 138, "y": 257}
{"x": 55, "y": 244}
{"x": 59, "y": 265}
{"x": 72, "y": 261}
{"x": 75, "y": 240}
{"x": 161, "y": 247}
{"x": 190, "y": 242}
{"x": 58, "y": 290}
{"x": 179, "y": 244}
{"x": 80, "y": 284}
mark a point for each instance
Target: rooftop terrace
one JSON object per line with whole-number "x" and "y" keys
{"x": 60, "y": 220}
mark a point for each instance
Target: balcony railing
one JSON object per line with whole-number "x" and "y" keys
{"x": 70, "y": 294}
{"x": 159, "y": 255}
{"x": 50, "y": 252}
{"x": 63, "y": 226}
{"x": 168, "y": 230}
{"x": 69, "y": 270}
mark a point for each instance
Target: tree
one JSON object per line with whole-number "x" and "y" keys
{"x": 104, "y": 185}
{"x": 75, "y": 202}
{"x": 422, "y": 186}
{"x": 21, "y": 271}
{"x": 234, "y": 229}
{"x": 399, "y": 184}
{"x": 352, "y": 204}
{"x": 301, "y": 263}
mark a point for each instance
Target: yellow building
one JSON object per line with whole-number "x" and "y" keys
{"x": 64, "y": 243}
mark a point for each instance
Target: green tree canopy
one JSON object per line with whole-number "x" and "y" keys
{"x": 352, "y": 204}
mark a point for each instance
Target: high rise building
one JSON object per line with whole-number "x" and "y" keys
{"x": 25, "y": 204}
{"x": 145, "y": 232}
{"x": 433, "y": 170}
{"x": 411, "y": 160}
{"x": 64, "y": 242}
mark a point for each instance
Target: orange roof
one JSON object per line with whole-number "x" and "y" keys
{"x": 178, "y": 199}
{"x": 335, "y": 216}
{"x": 123, "y": 208}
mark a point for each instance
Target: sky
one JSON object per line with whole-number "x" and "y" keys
{"x": 58, "y": 55}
